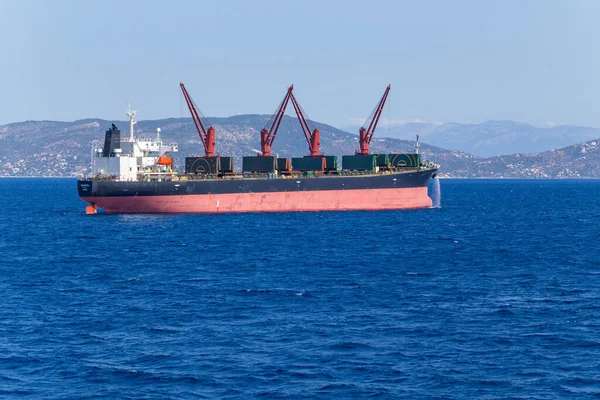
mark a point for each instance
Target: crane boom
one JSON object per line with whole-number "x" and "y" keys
{"x": 268, "y": 136}
{"x": 313, "y": 139}
{"x": 365, "y": 135}
{"x": 207, "y": 136}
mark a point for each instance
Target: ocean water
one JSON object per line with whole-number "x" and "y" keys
{"x": 496, "y": 294}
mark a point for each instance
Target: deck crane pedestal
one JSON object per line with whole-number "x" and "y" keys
{"x": 365, "y": 135}
{"x": 206, "y": 135}
{"x": 268, "y": 136}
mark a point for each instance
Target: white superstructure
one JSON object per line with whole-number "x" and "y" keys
{"x": 133, "y": 159}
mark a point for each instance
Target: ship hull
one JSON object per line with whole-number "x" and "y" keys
{"x": 371, "y": 192}
{"x": 376, "y": 199}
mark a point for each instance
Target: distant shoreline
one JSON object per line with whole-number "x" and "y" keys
{"x": 38, "y": 177}
{"x": 440, "y": 177}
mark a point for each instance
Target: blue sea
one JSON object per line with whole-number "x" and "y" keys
{"x": 496, "y": 294}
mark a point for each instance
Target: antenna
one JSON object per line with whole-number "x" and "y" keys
{"x": 157, "y": 134}
{"x": 131, "y": 114}
{"x": 417, "y": 145}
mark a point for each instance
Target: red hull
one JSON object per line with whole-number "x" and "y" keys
{"x": 326, "y": 200}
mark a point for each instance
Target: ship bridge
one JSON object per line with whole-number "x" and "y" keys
{"x": 133, "y": 158}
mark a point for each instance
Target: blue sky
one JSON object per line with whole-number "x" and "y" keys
{"x": 534, "y": 61}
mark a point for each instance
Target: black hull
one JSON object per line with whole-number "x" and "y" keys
{"x": 397, "y": 180}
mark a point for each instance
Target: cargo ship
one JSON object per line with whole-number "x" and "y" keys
{"x": 137, "y": 175}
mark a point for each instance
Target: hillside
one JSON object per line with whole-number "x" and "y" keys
{"x": 51, "y": 148}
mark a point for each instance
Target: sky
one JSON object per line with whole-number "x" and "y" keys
{"x": 466, "y": 61}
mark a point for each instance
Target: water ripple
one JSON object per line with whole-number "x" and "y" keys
{"x": 494, "y": 295}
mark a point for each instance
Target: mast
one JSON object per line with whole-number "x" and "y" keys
{"x": 417, "y": 145}
{"x": 131, "y": 114}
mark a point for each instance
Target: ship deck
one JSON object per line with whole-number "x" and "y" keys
{"x": 161, "y": 177}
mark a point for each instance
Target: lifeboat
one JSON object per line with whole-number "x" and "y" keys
{"x": 165, "y": 160}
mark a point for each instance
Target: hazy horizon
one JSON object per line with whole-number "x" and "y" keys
{"x": 381, "y": 127}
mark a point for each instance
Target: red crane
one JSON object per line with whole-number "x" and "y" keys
{"x": 314, "y": 138}
{"x": 268, "y": 136}
{"x": 206, "y": 135}
{"x": 365, "y": 135}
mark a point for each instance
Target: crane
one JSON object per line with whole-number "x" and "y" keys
{"x": 365, "y": 135}
{"x": 268, "y": 136}
{"x": 206, "y": 135}
{"x": 314, "y": 138}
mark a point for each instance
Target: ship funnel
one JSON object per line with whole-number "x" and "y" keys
{"x": 112, "y": 141}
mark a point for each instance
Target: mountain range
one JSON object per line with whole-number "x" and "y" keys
{"x": 54, "y": 148}
{"x": 491, "y": 138}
